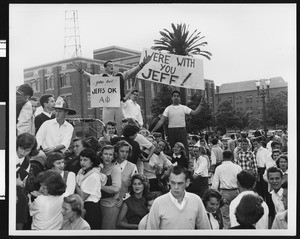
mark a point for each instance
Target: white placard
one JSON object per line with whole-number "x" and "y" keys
{"x": 175, "y": 70}
{"x": 105, "y": 91}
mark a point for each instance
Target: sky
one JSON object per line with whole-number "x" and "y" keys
{"x": 248, "y": 41}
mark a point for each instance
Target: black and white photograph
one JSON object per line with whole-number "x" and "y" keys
{"x": 162, "y": 119}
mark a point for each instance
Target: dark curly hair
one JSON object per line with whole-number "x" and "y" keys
{"x": 281, "y": 157}
{"x": 51, "y": 158}
{"x": 212, "y": 193}
{"x": 249, "y": 210}
{"x": 53, "y": 181}
{"x": 91, "y": 154}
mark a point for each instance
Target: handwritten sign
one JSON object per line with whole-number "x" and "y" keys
{"x": 105, "y": 91}
{"x": 175, "y": 70}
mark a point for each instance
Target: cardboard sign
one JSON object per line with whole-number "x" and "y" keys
{"x": 105, "y": 91}
{"x": 175, "y": 70}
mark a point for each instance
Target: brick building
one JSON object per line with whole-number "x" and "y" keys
{"x": 244, "y": 98}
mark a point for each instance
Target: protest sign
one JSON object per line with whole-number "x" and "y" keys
{"x": 171, "y": 69}
{"x": 105, "y": 91}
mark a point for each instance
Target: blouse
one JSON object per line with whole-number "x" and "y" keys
{"x": 78, "y": 224}
{"x": 137, "y": 209}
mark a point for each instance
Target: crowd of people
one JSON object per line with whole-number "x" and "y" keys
{"x": 143, "y": 178}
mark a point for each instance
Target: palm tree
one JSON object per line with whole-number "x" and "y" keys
{"x": 179, "y": 42}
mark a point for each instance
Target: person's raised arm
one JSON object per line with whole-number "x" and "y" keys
{"x": 159, "y": 124}
{"x": 199, "y": 108}
{"x": 132, "y": 72}
{"x": 79, "y": 68}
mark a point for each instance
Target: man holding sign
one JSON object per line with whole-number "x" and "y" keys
{"x": 175, "y": 114}
{"x": 115, "y": 114}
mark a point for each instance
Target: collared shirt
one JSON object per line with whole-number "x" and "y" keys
{"x": 247, "y": 161}
{"x": 25, "y": 122}
{"x": 225, "y": 175}
{"x": 132, "y": 109}
{"x": 176, "y": 155}
{"x": 280, "y": 221}
{"x": 46, "y": 113}
{"x": 201, "y": 166}
{"x": 51, "y": 134}
{"x": 262, "y": 223}
{"x": 261, "y": 157}
{"x": 276, "y": 198}
{"x": 175, "y": 201}
{"x": 78, "y": 224}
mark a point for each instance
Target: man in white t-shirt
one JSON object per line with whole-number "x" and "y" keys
{"x": 175, "y": 114}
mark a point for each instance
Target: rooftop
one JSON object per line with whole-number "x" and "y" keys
{"x": 275, "y": 82}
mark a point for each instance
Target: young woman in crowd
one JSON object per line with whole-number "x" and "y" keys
{"x": 110, "y": 191}
{"x": 179, "y": 155}
{"x": 200, "y": 173}
{"x": 134, "y": 208}
{"x": 249, "y": 211}
{"x": 46, "y": 207}
{"x": 282, "y": 163}
{"x": 73, "y": 212}
{"x": 212, "y": 201}
{"x": 56, "y": 161}
{"x": 157, "y": 165}
{"x": 88, "y": 185}
{"x": 26, "y": 145}
{"x": 128, "y": 169}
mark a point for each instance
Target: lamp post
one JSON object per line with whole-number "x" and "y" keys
{"x": 262, "y": 92}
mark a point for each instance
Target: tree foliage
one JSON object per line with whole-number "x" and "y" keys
{"x": 277, "y": 109}
{"x": 181, "y": 42}
{"x": 162, "y": 99}
{"x": 196, "y": 123}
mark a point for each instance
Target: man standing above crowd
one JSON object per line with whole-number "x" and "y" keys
{"x": 178, "y": 209}
{"x": 130, "y": 107}
{"x": 246, "y": 159}
{"x": 56, "y": 134}
{"x": 115, "y": 114}
{"x": 175, "y": 114}
{"x": 24, "y": 114}
{"x": 225, "y": 180}
{"x": 47, "y": 102}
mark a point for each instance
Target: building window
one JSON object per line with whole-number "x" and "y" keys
{"x": 35, "y": 85}
{"x": 64, "y": 80}
{"x": 249, "y": 98}
{"x": 229, "y": 99}
{"x": 238, "y": 100}
{"x": 259, "y": 110}
{"x": 89, "y": 99}
{"x": 152, "y": 90}
{"x": 140, "y": 87}
{"x": 249, "y": 110}
{"x": 49, "y": 83}
{"x": 63, "y": 67}
{"x": 239, "y": 109}
{"x": 189, "y": 92}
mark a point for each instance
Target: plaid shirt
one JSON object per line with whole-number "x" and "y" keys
{"x": 247, "y": 161}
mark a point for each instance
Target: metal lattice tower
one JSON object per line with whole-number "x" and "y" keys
{"x": 72, "y": 47}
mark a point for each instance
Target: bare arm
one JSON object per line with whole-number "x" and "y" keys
{"x": 132, "y": 72}
{"x": 122, "y": 222}
{"x": 159, "y": 124}
{"x": 199, "y": 108}
{"x": 79, "y": 68}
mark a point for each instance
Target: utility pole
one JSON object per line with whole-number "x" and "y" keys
{"x": 72, "y": 47}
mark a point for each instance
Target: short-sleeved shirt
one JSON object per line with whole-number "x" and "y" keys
{"x": 176, "y": 115}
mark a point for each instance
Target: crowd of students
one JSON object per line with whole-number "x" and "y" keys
{"x": 110, "y": 183}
